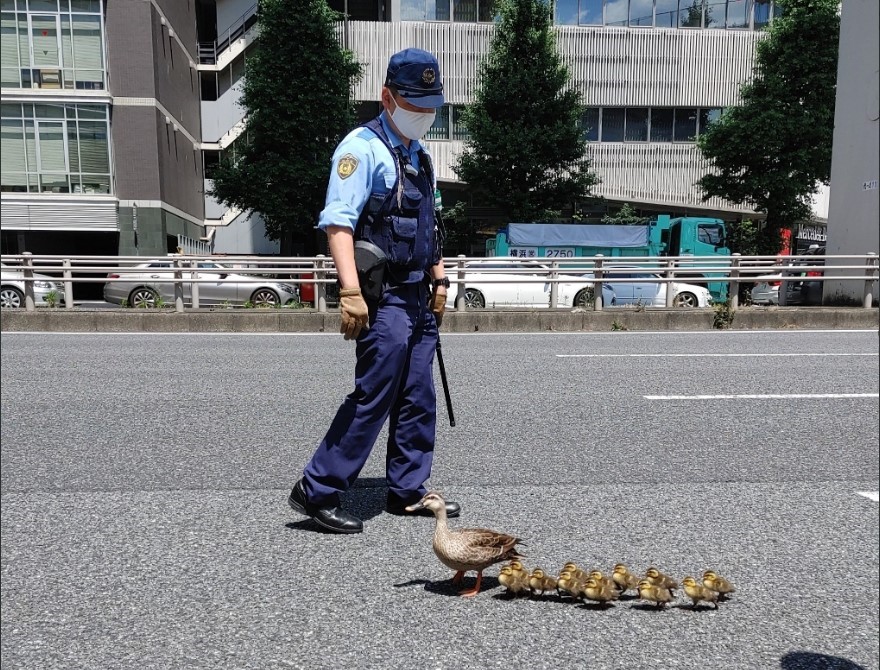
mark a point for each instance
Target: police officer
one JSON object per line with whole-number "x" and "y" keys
{"x": 381, "y": 192}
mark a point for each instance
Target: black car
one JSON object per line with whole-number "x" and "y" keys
{"x": 799, "y": 289}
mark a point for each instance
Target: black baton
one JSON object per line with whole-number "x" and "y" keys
{"x": 443, "y": 371}
{"x": 445, "y": 383}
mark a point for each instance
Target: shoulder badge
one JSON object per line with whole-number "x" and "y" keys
{"x": 346, "y": 166}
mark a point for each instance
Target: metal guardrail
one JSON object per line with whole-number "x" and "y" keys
{"x": 319, "y": 272}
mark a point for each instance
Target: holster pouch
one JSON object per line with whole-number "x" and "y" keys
{"x": 371, "y": 263}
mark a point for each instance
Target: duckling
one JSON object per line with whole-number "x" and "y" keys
{"x": 575, "y": 571}
{"x": 624, "y": 579}
{"x": 654, "y": 593}
{"x": 519, "y": 570}
{"x": 654, "y": 576}
{"x": 603, "y": 580}
{"x": 567, "y": 584}
{"x": 515, "y": 582}
{"x": 696, "y": 592}
{"x": 715, "y": 582}
{"x": 540, "y": 582}
{"x": 599, "y": 591}
{"x": 466, "y": 549}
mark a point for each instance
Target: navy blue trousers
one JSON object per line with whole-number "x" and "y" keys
{"x": 394, "y": 381}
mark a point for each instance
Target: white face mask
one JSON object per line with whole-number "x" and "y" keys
{"x": 412, "y": 125}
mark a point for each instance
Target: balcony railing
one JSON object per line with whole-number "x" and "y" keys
{"x": 209, "y": 52}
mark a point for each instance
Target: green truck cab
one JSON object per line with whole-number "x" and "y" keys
{"x": 663, "y": 236}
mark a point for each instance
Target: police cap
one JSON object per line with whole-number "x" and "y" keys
{"x": 415, "y": 74}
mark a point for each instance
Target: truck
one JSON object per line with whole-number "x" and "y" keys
{"x": 663, "y": 236}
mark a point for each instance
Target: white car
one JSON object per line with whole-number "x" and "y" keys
{"x": 12, "y": 290}
{"x": 524, "y": 284}
{"x": 514, "y": 283}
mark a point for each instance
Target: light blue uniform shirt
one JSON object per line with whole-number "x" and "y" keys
{"x": 362, "y": 165}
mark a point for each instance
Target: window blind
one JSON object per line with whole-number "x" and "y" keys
{"x": 12, "y": 146}
{"x": 8, "y": 41}
{"x": 94, "y": 151}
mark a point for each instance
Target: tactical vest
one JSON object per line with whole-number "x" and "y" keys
{"x": 402, "y": 222}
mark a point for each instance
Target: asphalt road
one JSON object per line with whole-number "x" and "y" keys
{"x": 144, "y": 522}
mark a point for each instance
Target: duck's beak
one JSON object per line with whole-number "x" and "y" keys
{"x": 415, "y": 507}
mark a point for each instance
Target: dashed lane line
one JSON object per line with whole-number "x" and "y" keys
{"x": 761, "y": 396}
{"x": 870, "y": 495}
{"x": 741, "y": 355}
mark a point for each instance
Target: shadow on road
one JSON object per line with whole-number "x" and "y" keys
{"x": 805, "y": 660}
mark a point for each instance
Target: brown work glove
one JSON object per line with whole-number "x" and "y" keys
{"x": 354, "y": 313}
{"x": 438, "y": 306}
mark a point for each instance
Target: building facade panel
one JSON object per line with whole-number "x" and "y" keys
{"x": 180, "y": 168}
{"x": 136, "y": 155}
{"x": 181, "y": 16}
{"x": 176, "y": 78}
{"x": 657, "y": 67}
{"x": 130, "y": 44}
{"x": 609, "y": 66}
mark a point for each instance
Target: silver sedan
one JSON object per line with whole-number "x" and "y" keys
{"x": 151, "y": 284}
{"x": 12, "y": 290}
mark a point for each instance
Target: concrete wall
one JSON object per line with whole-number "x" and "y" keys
{"x": 854, "y": 205}
{"x": 245, "y": 235}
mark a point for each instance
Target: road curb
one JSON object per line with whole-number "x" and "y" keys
{"x": 483, "y": 321}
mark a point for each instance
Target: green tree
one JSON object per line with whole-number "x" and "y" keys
{"x": 526, "y": 154}
{"x": 297, "y": 97}
{"x": 625, "y": 216}
{"x": 772, "y": 151}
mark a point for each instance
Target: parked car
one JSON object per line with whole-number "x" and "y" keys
{"x": 643, "y": 287}
{"x": 766, "y": 289}
{"x": 153, "y": 282}
{"x": 12, "y": 290}
{"x": 525, "y": 289}
{"x": 799, "y": 290}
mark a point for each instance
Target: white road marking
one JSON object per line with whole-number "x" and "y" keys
{"x": 746, "y": 355}
{"x": 761, "y": 396}
{"x": 870, "y": 495}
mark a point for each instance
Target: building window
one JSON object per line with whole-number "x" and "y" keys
{"x": 641, "y": 13}
{"x": 613, "y": 123}
{"x": 55, "y": 148}
{"x": 615, "y": 14}
{"x": 460, "y": 11}
{"x": 719, "y": 14}
{"x": 707, "y": 117}
{"x": 762, "y": 14}
{"x": 738, "y": 14}
{"x": 440, "y": 130}
{"x": 690, "y": 13}
{"x": 662, "y": 121}
{"x": 685, "y": 125}
{"x": 590, "y": 124}
{"x": 448, "y": 124}
{"x": 636, "y": 124}
{"x": 643, "y": 124}
{"x": 45, "y": 45}
{"x": 666, "y": 14}
{"x": 459, "y": 130}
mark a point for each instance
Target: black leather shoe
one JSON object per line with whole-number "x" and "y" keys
{"x": 397, "y": 506}
{"x": 331, "y": 517}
